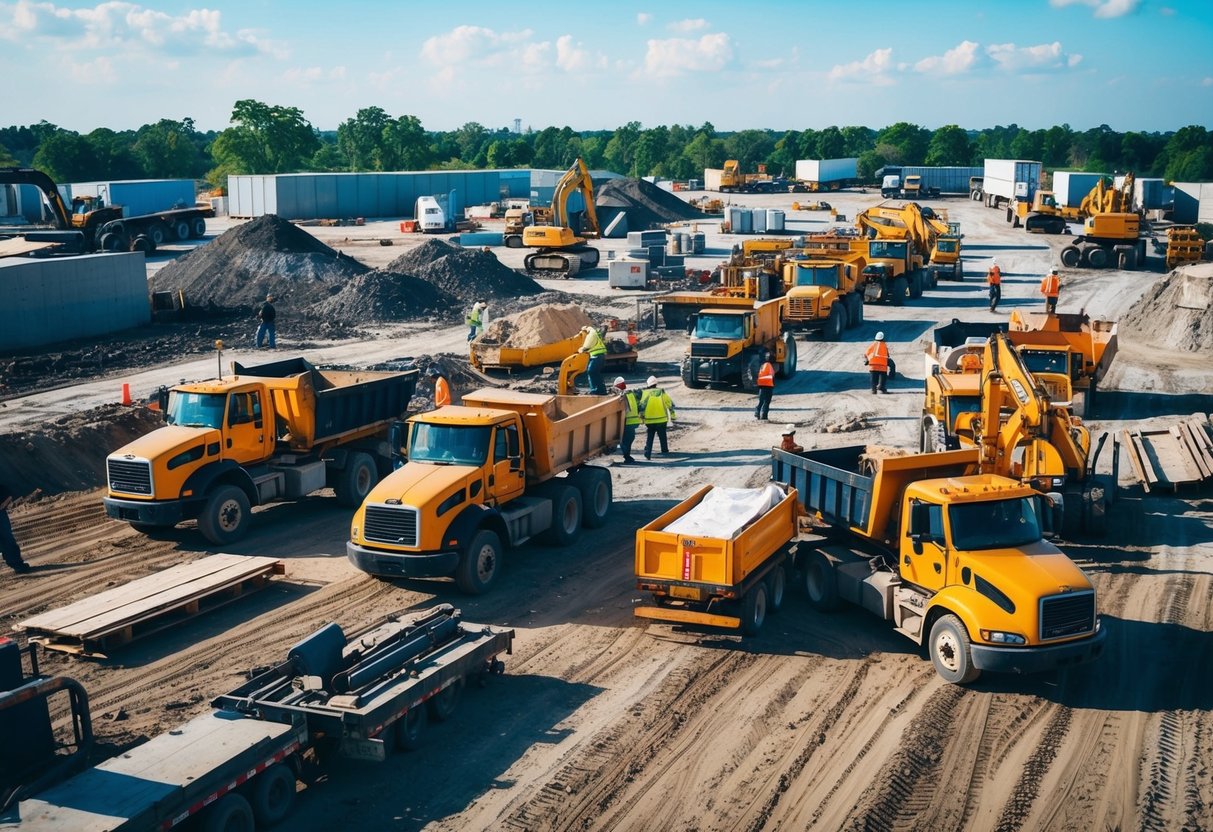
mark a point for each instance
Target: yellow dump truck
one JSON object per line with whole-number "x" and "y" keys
{"x": 486, "y": 355}
{"x": 955, "y": 561}
{"x": 1067, "y": 344}
{"x": 729, "y": 339}
{"x": 825, "y": 292}
{"x": 500, "y": 469}
{"x": 719, "y": 558}
{"x": 277, "y": 431}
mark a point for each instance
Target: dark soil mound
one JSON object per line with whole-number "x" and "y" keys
{"x": 384, "y": 296}
{"x": 267, "y": 255}
{"x": 465, "y": 274}
{"x": 645, "y": 204}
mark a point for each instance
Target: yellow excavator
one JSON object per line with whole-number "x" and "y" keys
{"x": 1111, "y": 231}
{"x": 906, "y": 271}
{"x": 563, "y": 252}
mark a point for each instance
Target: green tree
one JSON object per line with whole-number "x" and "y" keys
{"x": 6, "y": 159}
{"x": 649, "y": 152}
{"x": 831, "y": 144}
{"x": 858, "y": 139}
{"x": 66, "y": 156}
{"x": 1028, "y": 145}
{"x": 619, "y": 151}
{"x": 910, "y": 141}
{"x": 405, "y": 145}
{"x": 167, "y": 149}
{"x": 871, "y": 161}
{"x": 472, "y": 139}
{"x": 264, "y": 138}
{"x": 949, "y": 146}
{"x": 361, "y": 138}
{"x": 750, "y": 148}
{"x": 328, "y": 158}
{"x": 500, "y": 154}
{"x": 115, "y": 155}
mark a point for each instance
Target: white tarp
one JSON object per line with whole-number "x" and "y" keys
{"x": 724, "y": 512}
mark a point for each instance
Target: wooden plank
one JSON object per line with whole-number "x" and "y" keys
{"x": 1192, "y": 444}
{"x": 1135, "y": 460}
{"x": 1200, "y": 437}
{"x": 1168, "y": 457}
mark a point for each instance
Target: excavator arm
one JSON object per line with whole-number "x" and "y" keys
{"x": 910, "y": 221}
{"x": 575, "y": 179}
{"x": 50, "y": 192}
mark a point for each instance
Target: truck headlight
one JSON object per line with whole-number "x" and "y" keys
{"x": 1058, "y": 482}
{"x": 999, "y": 637}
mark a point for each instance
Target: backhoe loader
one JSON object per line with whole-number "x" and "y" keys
{"x": 563, "y": 251}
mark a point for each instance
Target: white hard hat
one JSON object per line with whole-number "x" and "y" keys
{"x": 789, "y": 429}
{"x": 993, "y": 261}
{"x": 619, "y": 382}
{"x": 1053, "y": 271}
{"x": 879, "y": 336}
{"x": 651, "y": 381}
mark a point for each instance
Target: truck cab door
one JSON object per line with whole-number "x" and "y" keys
{"x": 507, "y": 473}
{"x": 245, "y": 437}
{"x": 924, "y": 551}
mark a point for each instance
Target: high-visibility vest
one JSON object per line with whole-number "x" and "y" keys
{"x": 632, "y": 405}
{"x": 994, "y": 278}
{"x": 878, "y": 357}
{"x": 442, "y": 392}
{"x": 1050, "y": 285}
{"x": 656, "y": 407}
{"x": 594, "y": 344}
{"x": 766, "y": 375}
{"x": 473, "y": 318}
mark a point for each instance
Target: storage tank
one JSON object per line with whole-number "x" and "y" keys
{"x": 745, "y": 221}
{"x": 699, "y": 242}
{"x": 775, "y": 219}
{"x": 674, "y": 244}
{"x": 759, "y": 220}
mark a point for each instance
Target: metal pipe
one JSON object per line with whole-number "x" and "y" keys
{"x": 439, "y": 632}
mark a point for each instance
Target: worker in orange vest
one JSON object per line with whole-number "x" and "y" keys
{"x": 994, "y": 280}
{"x": 442, "y": 389}
{"x": 877, "y": 359}
{"x": 1050, "y": 285}
{"x": 766, "y": 387}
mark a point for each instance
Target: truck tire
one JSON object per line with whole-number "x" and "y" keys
{"x": 143, "y": 243}
{"x": 442, "y": 705}
{"x": 355, "y": 480}
{"x": 820, "y": 583}
{"x": 854, "y": 306}
{"x": 410, "y": 728}
{"x": 273, "y": 795}
{"x": 230, "y": 813}
{"x": 958, "y": 272}
{"x": 914, "y": 284}
{"x": 754, "y": 609}
{"x": 596, "y": 495}
{"x": 777, "y": 587}
{"x": 897, "y": 291}
{"x": 1071, "y": 256}
{"x": 181, "y": 230}
{"x": 690, "y": 369}
{"x": 110, "y": 241}
{"x": 836, "y": 323}
{"x": 198, "y": 228}
{"x": 479, "y": 563}
{"x": 787, "y": 369}
{"x": 158, "y": 233}
{"x": 566, "y": 517}
{"x": 1097, "y": 257}
{"x": 949, "y": 647}
{"x": 225, "y": 517}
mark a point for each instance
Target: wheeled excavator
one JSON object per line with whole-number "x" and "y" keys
{"x": 901, "y": 240}
{"x": 1111, "y": 233}
{"x": 563, "y": 251}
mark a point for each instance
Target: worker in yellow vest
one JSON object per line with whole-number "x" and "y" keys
{"x": 656, "y": 411}
{"x": 766, "y": 387}
{"x": 596, "y": 347}
{"x": 631, "y": 417}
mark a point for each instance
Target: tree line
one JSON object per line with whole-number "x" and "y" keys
{"x": 266, "y": 139}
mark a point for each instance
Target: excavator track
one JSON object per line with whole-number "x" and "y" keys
{"x": 561, "y": 263}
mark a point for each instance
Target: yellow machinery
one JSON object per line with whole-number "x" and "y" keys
{"x": 516, "y": 221}
{"x": 901, "y": 241}
{"x": 1069, "y": 344}
{"x": 485, "y": 475}
{"x": 561, "y": 251}
{"x": 729, "y": 338}
{"x": 1111, "y": 234}
{"x": 733, "y": 180}
{"x": 1043, "y": 214}
{"x": 1184, "y": 245}
{"x": 824, "y": 290}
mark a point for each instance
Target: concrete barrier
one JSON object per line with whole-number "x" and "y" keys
{"x": 53, "y": 299}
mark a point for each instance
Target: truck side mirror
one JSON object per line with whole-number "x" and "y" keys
{"x": 397, "y": 437}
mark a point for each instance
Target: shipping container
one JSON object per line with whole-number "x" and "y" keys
{"x": 1153, "y": 195}
{"x": 306, "y": 196}
{"x": 946, "y": 179}
{"x": 140, "y": 196}
{"x": 826, "y": 170}
{"x": 1007, "y": 179}
{"x": 1193, "y": 202}
{"x": 1070, "y": 187}
{"x": 711, "y": 179}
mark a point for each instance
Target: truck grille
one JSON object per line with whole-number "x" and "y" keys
{"x": 394, "y": 525}
{"x": 800, "y": 308}
{"x": 709, "y": 350}
{"x": 129, "y": 476}
{"x": 1062, "y": 616}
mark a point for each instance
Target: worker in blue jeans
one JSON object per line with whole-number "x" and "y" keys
{"x": 596, "y": 347}
{"x": 266, "y": 315}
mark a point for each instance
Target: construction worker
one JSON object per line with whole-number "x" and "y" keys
{"x": 994, "y": 280}
{"x": 631, "y": 418}
{"x": 656, "y": 411}
{"x": 266, "y": 314}
{"x": 596, "y": 347}
{"x": 789, "y": 440}
{"x": 877, "y": 359}
{"x": 1050, "y": 286}
{"x": 475, "y": 320}
{"x": 766, "y": 387}
{"x": 442, "y": 388}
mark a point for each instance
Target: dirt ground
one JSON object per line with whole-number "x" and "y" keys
{"x": 603, "y": 721}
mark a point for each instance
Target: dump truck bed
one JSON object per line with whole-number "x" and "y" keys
{"x": 488, "y": 356}
{"x": 1095, "y": 340}
{"x": 562, "y": 431}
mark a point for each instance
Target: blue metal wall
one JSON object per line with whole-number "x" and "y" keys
{"x": 309, "y": 196}
{"x": 141, "y": 196}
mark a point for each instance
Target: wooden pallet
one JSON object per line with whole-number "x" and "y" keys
{"x": 1168, "y": 458}
{"x": 101, "y": 622}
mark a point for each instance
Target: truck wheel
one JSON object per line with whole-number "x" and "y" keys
{"x": 836, "y": 323}
{"x": 820, "y": 583}
{"x": 442, "y": 705}
{"x": 754, "y": 609}
{"x": 157, "y": 232}
{"x": 950, "y": 651}
{"x": 410, "y": 728}
{"x": 788, "y": 368}
{"x": 231, "y": 813}
{"x": 1097, "y": 258}
{"x": 914, "y": 284}
{"x": 143, "y": 243}
{"x": 566, "y": 517}
{"x": 690, "y": 372}
{"x": 854, "y": 309}
{"x": 356, "y": 480}
{"x": 198, "y": 228}
{"x": 181, "y": 230}
{"x": 273, "y": 794}
{"x": 777, "y": 585}
{"x": 1070, "y": 256}
{"x": 897, "y": 291}
{"x": 479, "y": 563}
{"x": 109, "y": 241}
{"x": 225, "y": 517}
{"x": 596, "y": 495}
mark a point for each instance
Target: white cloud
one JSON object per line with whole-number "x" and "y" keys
{"x": 689, "y": 25}
{"x": 1166, "y": 11}
{"x": 643, "y": 18}
{"x": 675, "y": 56}
{"x": 1207, "y": 81}
{"x": 476, "y": 47}
{"x": 470, "y": 43}
{"x": 1103, "y": 8}
{"x": 875, "y": 67}
{"x": 571, "y": 57}
{"x": 1044, "y": 57}
{"x": 961, "y": 58}
{"x": 99, "y": 71}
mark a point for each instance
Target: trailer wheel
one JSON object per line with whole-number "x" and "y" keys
{"x": 143, "y": 243}
{"x": 787, "y": 369}
{"x": 897, "y": 290}
{"x": 198, "y": 228}
{"x": 596, "y": 496}
{"x": 1070, "y": 256}
{"x": 157, "y": 232}
{"x": 479, "y": 563}
{"x": 777, "y": 585}
{"x": 443, "y": 704}
{"x": 225, "y": 517}
{"x": 356, "y": 480}
{"x": 181, "y": 230}
{"x": 754, "y": 609}
{"x": 854, "y": 307}
{"x": 410, "y": 728}
{"x": 231, "y": 813}
{"x": 110, "y": 241}
{"x": 273, "y": 794}
{"x": 820, "y": 583}
{"x": 950, "y": 651}
{"x": 566, "y": 517}
{"x": 836, "y": 323}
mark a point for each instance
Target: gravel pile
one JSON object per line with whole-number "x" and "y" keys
{"x": 1184, "y": 299}
{"x": 544, "y": 324}
{"x": 645, "y": 204}
{"x": 384, "y": 296}
{"x": 465, "y": 274}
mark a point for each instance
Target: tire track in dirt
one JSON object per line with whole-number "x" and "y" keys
{"x": 1027, "y": 788}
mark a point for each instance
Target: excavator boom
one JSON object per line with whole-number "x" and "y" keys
{"x": 563, "y": 252}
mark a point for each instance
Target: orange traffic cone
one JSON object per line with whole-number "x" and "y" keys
{"x": 126, "y": 393}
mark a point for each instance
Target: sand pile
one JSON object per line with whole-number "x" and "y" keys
{"x": 383, "y": 296}
{"x": 534, "y": 327}
{"x": 645, "y": 204}
{"x": 1184, "y": 299}
{"x": 463, "y": 273}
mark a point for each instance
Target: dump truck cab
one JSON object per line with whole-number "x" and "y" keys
{"x": 729, "y": 340}
{"x": 890, "y": 266}
{"x": 822, "y": 293}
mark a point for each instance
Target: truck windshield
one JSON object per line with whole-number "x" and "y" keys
{"x": 993, "y": 525}
{"x": 946, "y": 246}
{"x": 196, "y": 410}
{"x": 895, "y": 250}
{"x": 449, "y": 444}
{"x": 719, "y": 326}
{"x": 817, "y": 276}
{"x": 1042, "y": 361}
{"x": 962, "y": 404}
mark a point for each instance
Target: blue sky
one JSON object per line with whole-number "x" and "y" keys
{"x": 1132, "y": 64}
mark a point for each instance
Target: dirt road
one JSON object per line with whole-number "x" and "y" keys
{"x": 823, "y": 722}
